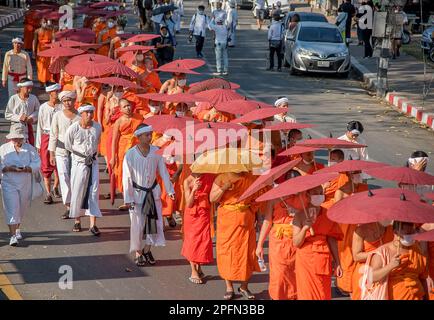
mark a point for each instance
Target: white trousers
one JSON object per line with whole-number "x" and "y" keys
{"x": 63, "y": 169}
{"x": 78, "y": 186}
{"x": 16, "y": 193}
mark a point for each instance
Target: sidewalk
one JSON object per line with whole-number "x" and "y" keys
{"x": 9, "y": 15}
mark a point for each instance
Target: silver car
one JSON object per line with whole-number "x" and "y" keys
{"x": 316, "y": 47}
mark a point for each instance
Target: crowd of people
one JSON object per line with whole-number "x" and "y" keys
{"x": 101, "y": 111}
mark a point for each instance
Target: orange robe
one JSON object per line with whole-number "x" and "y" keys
{"x": 236, "y": 235}
{"x": 90, "y": 96}
{"x": 197, "y": 245}
{"x": 31, "y": 23}
{"x": 67, "y": 82}
{"x": 153, "y": 80}
{"x": 104, "y": 49}
{"x": 313, "y": 260}
{"x": 358, "y": 269}
{"x": 42, "y": 63}
{"x": 126, "y": 141}
{"x": 281, "y": 252}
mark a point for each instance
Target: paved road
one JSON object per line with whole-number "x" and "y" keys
{"x": 102, "y": 267}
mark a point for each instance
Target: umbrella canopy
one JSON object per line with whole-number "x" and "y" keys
{"x": 164, "y": 122}
{"x": 115, "y": 13}
{"x": 153, "y": 96}
{"x": 163, "y": 9}
{"x": 54, "y": 15}
{"x": 330, "y": 143}
{"x": 352, "y": 165}
{"x": 287, "y": 126}
{"x": 382, "y": 204}
{"x": 91, "y": 57}
{"x": 424, "y": 236}
{"x": 64, "y": 42}
{"x": 297, "y": 150}
{"x": 173, "y": 69}
{"x": 142, "y": 37}
{"x": 177, "y": 97}
{"x": 267, "y": 179}
{"x": 115, "y": 81}
{"x": 259, "y": 114}
{"x": 429, "y": 196}
{"x": 241, "y": 106}
{"x": 214, "y": 83}
{"x": 57, "y": 65}
{"x": 86, "y": 68}
{"x": 135, "y": 48}
{"x": 75, "y": 31}
{"x": 60, "y": 51}
{"x": 402, "y": 175}
{"x": 186, "y": 63}
{"x": 104, "y": 4}
{"x": 216, "y": 96}
{"x": 118, "y": 68}
{"x": 297, "y": 185}
{"x": 226, "y": 160}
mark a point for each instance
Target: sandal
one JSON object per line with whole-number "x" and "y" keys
{"x": 65, "y": 216}
{"x": 123, "y": 207}
{"x": 149, "y": 258}
{"x": 77, "y": 227}
{"x": 229, "y": 295}
{"x": 195, "y": 280}
{"x": 140, "y": 261}
{"x": 246, "y": 293}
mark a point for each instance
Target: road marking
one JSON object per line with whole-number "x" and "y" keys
{"x": 8, "y": 288}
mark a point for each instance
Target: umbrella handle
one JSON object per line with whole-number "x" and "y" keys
{"x": 312, "y": 233}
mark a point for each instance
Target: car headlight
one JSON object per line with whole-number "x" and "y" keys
{"x": 304, "y": 52}
{"x": 342, "y": 54}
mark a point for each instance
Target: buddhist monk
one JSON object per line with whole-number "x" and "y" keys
{"x": 105, "y": 36}
{"x": 236, "y": 236}
{"x": 308, "y": 165}
{"x": 116, "y": 43}
{"x": 217, "y": 116}
{"x": 314, "y": 254}
{"x": 87, "y": 92}
{"x": 336, "y": 156}
{"x": 404, "y": 267}
{"x": 149, "y": 76}
{"x": 31, "y": 23}
{"x": 43, "y": 36}
{"x": 197, "y": 246}
{"x": 123, "y": 139}
{"x": 294, "y": 135}
{"x": 177, "y": 84}
{"x": 367, "y": 238}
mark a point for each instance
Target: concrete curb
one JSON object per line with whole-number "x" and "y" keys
{"x": 400, "y": 103}
{"x": 8, "y": 19}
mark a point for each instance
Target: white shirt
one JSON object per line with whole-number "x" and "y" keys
{"x": 27, "y": 157}
{"x": 83, "y": 141}
{"x": 356, "y": 153}
{"x": 45, "y": 117}
{"x": 59, "y": 125}
{"x": 17, "y": 107}
{"x": 199, "y": 24}
{"x": 219, "y": 13}
{"x": 276, "y": 31}
{"x": 260, "y": 4}
{"x": 221, "y": 31}
{"x": 232, "y": 17}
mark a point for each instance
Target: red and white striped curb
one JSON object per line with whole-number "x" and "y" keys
{"x": 7, "y": 19}
{"x": 407, "y": 107}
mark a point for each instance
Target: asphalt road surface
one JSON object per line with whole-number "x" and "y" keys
{"x": 102, "y": 267}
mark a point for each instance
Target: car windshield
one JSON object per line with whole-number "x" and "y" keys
{"x": 313, "y": 18}
{"x": 315, "y": 34}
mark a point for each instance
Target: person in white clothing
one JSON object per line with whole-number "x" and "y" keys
{"x": 143, "y": 195}
{"x": 59, "y": 156}
{"x": 45, "y": 116}
{"x": 178, "y": 14}
{"x": 218, "y": 12}
{"x": 232, "y": 19}
{"x": 18, "y": 161}
{"x": 221, "y": 37}
{"x": 82, "y": 139}
{"x": 260, "y": 6}
{"x": 354, "y": 130}
{"x": 22, "y": 109}
{"x": 198, "y": 25}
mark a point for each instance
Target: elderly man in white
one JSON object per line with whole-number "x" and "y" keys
{"x": 18, "y": 162}
{"x": 143, "y": 195}
{"x": 82, "y": 139}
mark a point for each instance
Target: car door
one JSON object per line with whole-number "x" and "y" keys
{"x": 290, "y": 38}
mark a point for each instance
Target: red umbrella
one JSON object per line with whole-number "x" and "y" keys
{"x": 214, "y": 83}
{"x": 287, "y": 126}
{"x": 296, "y": 185}
{"x": 142, "y": 38}
{"x": 118, "y": 68}
{"x": 60, "y": 51}
{"x": 424, "y": 236}
{"x": 182, "y": 97}
{"x": 86, "y": 68}
{"x": 115, "y": 81}
{"x": 72, "y": 43}
{"x": 351, "y": 166}
{"x": 173, "y": 69}
{"x": 115, "y": 13}
{"x": 91, "y": 57}
{"x": 240, "y": 106}
{"x": 267, "y": 179}
{"x": 135, "y": 48}
{"x": 330, "y": 143}
{"x": 382, "y": 204}
{"x": 57, "y": 65}
{"x": 164, "y": 122}
{"x": 53, "y": 15}
{"x": 429, "y": 196}
{"x": 297, "y": 150}
{"x": 216, "y": 96}
{"x": 402, "y": 175}
{"x": 185, "y": 63}
{"x": 259, "y": 114}
{"x": 77, "y": 34}
{"x": 104, "y": 4}
{"x": 153, "y": 96}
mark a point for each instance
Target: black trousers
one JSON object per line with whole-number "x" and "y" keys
{"x": 278, "y": 52}
{"x": 367, "y": 33}
{"x": 199, "y": 43}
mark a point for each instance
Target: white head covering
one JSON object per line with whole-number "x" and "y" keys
{"x": 15, "y": 133}
{"x": 143, "y": 130}
{"x": 53, "y": 87}
{"x": 280, "y": 101}
{"x": 355, "y": 131}
{"x": 25, "y": 84}
{"x": 67, "y": 94}
{"x": 17, "y": 40}
{"x": 86, "y": 107}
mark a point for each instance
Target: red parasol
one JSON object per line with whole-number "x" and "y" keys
{"x": 60, "y": 51}
{"x": 185, "y": 63}
{"x": 259, "y": 114}
{"x": 267, "y": 179}
{"x": 164, "y": 122}
{"x": 115, "y": 13}
{"x": 173, "y": 69}
{"x": 296, "y": 185}
{"x": 78, "y": 34}
{"x": 297, "y": 150}
{"x": 153, "y": 96}
{"x": 382, "y": 204}
{"x": 351, "y": 166}
{"x": 330, "y": 143}
{"x": 91, "y": 57}
{"x": 287, "y": 126}
{"x": 54, "y": 15}
{"x": 182, "y": 97}
{"x": 214, "y": 83}
{"x": 118, "y": 68}
{"x": 57, "y": 65}
{"x": 216, "y": 96}
{"x": 104, "y": 4}
{"x": 429, "y": 196}
{"x": 402, "y": 175}
{"x": 87, "y": 67}
{"x": 424, "y": 236}
{"x": 240, "y": 106}
{"x": 142, "y": 38}
{"x": 135, "y": 48}
{"x": 115, "y": 81}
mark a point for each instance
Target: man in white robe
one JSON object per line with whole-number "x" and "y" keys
{"x": 59, "y": 156}
{"x": 140, "y": 168}
{"x": 45, "y": 117}
{"x": 82, "y": 139}
{"x": 354, "y": 130}
{"x": 232, "y": 21}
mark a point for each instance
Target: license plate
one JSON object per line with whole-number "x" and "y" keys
{"x": 324, "y": 64}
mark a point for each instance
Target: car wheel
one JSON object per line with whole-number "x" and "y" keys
{"x": 431, "y": 54}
